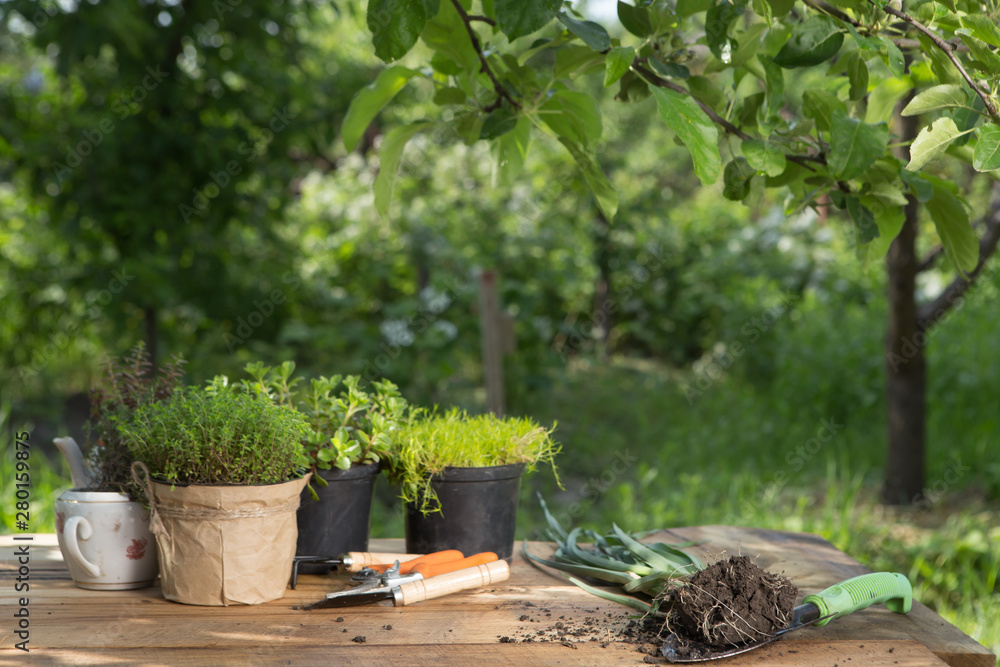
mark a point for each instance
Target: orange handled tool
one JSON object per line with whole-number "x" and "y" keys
{"x": 405, "y": 567}
{"x": 426, "y": 580}
{"x": 356, "y": 561}
{"x": 430, "y": 569}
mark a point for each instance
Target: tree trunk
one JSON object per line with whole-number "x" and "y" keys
{"x": 603, "y": 306}
{"x": 904, "y": 353}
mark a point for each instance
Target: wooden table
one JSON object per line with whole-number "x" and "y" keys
{"x": 566, "y": 626}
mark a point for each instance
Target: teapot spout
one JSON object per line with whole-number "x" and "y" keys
{"x": 81, "y": 472}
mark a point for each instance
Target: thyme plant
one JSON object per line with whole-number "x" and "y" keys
{"x": 218, "y": 437}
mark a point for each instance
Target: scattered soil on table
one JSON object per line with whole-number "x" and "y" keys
{"x": 730, "y": 604}
{"x": 746, "y": 602}
{"x": 360, "y": 639}
{"x": 600, "y": 627}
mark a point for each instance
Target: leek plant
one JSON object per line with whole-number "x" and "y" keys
{"x": 646, "y": 570}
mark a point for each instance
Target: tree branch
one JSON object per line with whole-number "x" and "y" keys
{"x": 933, "y": 312}
{"x": 830, "y": 10}
{"x": 949, "y": 51}
{"x": 484, "y": 19}
{"x": 652, "y": 78}
{"x": 497, "y": 86}
{"x": 930, "y": 259}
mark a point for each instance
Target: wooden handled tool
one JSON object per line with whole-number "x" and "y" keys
{"x": 446, "y": 584}
{"x": 426, "y": 580}
{"x": 407, "y": 566}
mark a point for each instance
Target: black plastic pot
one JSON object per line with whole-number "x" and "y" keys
{"x": 339, "y": 521}
{"x": 478, "y": 512}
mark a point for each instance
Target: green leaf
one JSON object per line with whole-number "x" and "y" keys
{"x": 635, "y": 19}
{"x": 883, "y": 98}
{"x": 780, "y": 7}
{"x": 888, "y": 194}
{"x": 821, "y": 105}
{"x": 854, "y": 146}
{"x": 511, "y": 150}
{"x": 370, "y": 100}
{"x": 893, "y": 58}
{"x": 555, "y": 527}
{"x": 937, "y": 97}
{"x": 396, "y": 25}
{"x": 889, "y": 223}
{"x": 583, "y": 570}
{"x": 618, "y": 61}
{"x": 451, "y": 56}
{"x": 449, "y": 95}
{"x": 814, "y": 41}
{"x": 736, "y": 179}
{"x": 985, "y": 60}
{"x": 857, "y": 74}
{"x": 498, "y": 123}
{"x": 632, "y": 88}
{"x": 689, "y": 7}
{"x": 967, "y": 118}
{"x": 574, "y": 116}
{"x": 764, "y": 157}
{"x": 626, "y": 600}
{"x": 704, "y": 89}
{"x": 931, "y": 142}
{"x": 593, "y": 34}
{"x": 919, "y": 186}
{"x": 577, "y": 59}
{"x": 774, "y": 78}
{"x": 604, "y": 192}
{"x": 669, "y": 70}
{"x": 517, "y": 18}
{"x": 982, "y": 28}
{"x": 865, "y": 228}
{"x": 388, "y": 158}
{"x": 683, "y": 115}
{"x": 655, "y": 559}
{"x": 987, "y": 153}
{"x": 952, "y": 222}
{"x": 717, "y": 22}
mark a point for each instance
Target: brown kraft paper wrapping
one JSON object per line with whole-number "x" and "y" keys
{"x": 223, "y": 545}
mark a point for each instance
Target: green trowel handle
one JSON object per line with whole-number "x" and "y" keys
{"x": 862, "y": 592}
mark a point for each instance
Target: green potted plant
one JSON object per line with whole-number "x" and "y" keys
{"x": 459, "y": 477}
{"x": 349, "y": 436}
{"x": 102, "y": 529}
{"x": 227, "y": 470}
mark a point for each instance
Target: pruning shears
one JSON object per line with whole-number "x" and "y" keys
{"x": 424, "y": 578}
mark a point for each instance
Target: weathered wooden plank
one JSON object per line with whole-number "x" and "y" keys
{"x": 789, "y": 654}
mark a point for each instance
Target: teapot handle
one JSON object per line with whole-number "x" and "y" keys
{"x": 73, "y": 547}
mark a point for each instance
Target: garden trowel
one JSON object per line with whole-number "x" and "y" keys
{"x": 818, "y": 609}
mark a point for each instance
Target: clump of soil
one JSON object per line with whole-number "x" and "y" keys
{"x": 732, "y": 603}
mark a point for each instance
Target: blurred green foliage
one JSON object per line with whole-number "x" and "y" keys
{"x": 704, "y": 338}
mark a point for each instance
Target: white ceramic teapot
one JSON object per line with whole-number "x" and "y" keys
{"x": 104, "y": 536}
